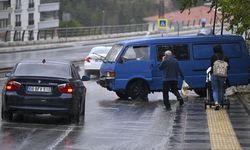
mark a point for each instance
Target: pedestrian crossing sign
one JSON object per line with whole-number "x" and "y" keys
{"x": 162, "y": 23}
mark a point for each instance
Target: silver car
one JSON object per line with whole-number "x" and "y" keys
{"x": 93, "y": 62}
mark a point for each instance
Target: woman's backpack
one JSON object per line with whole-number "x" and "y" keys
{"x": 220, "y": 68}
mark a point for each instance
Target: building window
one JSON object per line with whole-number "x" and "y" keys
{"x": 4, "y": 23}
{"x": 31, "y": 19}
{"x": 31, "y": 3}
{"x": 4, "y": 5}
{"x": 18, "y": 4}
{"x": 51, "y": 15}
{"x": 18, "y": 20}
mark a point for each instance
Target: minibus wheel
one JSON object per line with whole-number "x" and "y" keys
{"x": 122, "y": 94}
{"x": 138, "y": 89}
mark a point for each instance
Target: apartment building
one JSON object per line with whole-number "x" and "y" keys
{"x": 23, "y": 20}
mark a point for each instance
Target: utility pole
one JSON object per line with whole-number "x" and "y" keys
{"x": 215, "y": 15}
{"x": 161, "y": 12}
{"x": 161, "y": 9}
{"x": 103, "y": 20}
{"x": 222, "y": 23}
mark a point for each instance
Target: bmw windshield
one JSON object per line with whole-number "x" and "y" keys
{"x": 43, "y": 70}
{"x": 113, "y": 53}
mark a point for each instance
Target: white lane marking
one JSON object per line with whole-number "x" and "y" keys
{"x": 61, "y": 138}
{"x": 26, "y": 140}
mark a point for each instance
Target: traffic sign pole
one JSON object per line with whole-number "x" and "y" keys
{"x": 162, "y": 24}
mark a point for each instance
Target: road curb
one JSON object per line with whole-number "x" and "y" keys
{"x": 245, "y": 99}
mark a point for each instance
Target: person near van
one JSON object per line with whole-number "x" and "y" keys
{"x": 219, "y": 64}
{"x": 171, "y": 71}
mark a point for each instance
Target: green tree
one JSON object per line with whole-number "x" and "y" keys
{"x": 113, "y": 12}
{"x": 71, "y": 23}
{"x": 235, "y": 12}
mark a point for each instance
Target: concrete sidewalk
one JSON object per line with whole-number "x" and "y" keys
{"x": 243, "y": 92}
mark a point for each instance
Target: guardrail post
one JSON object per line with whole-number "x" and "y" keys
{"x": 38, "y": 35}
{"x": 45, "y": 34}
{"x": 14, "y": 37}
{"x": 6, "y": 35}
{"x": 52, "y": 34}
{"x": 23, "y": 35}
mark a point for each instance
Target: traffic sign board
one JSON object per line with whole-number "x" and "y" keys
{"x": 163, "y": 23}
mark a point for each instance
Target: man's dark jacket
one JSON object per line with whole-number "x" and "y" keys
{"x": 171, "y": 69}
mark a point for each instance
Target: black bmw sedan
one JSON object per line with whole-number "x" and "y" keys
{"x": 44, "y": 87}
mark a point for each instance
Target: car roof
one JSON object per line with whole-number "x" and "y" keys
{"x": 151, "y": 40}
{"x": 47, "y": 61}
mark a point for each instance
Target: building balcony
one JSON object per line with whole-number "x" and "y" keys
{"x": 49, "y": 7}
{"x": 48, "y": 1}
{"x": 48, "y": 24}
{"x": 18, "y": 9}
{"x": 4, "y": 14}
{"x": 9, "y": 27}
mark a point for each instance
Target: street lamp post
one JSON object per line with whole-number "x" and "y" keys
{"x": 103, "y": 20}
{"x": 161, "y": 9}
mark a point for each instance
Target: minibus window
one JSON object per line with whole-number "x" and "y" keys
{"x": 205, "y": 51}
{"x": 113, "y": 53}
{"x": 136, "y": 53}
{"x": 180, "y": 51}
{"x": 232, "y": 50}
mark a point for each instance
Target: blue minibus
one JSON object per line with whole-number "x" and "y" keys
{"x": 131, "y": 68}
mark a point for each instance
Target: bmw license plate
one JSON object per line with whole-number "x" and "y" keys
{"x": 39, "y": 89}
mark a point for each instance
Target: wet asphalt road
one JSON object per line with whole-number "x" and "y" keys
{"x": 114, "y": 124}
{"x": 76, "y": 52}
{"x": 110, "y": 123}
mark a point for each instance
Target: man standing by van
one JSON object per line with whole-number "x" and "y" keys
{"x": 171, "y": 71}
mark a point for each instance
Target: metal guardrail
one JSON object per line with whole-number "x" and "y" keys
{"x": 64, "y": 33}
{"x": 43, "y": 34}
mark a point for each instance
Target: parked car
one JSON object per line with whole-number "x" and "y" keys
{"x": 44, "y": 87}
{"x": 132, "y": 67}
{"x": 94, "y": 60}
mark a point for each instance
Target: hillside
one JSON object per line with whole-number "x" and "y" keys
{"x": 112, "y": 12}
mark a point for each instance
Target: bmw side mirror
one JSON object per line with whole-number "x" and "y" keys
{"x": 8, "y": 74}
{"x": 85, "y": 78}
